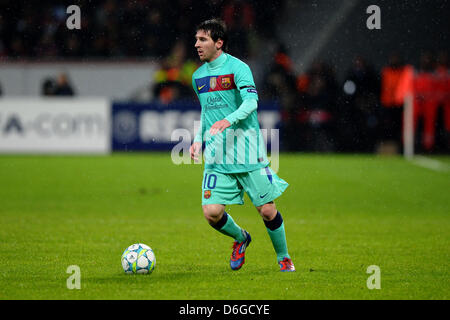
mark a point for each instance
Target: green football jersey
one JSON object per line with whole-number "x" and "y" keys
{"x": 222, "y": 86}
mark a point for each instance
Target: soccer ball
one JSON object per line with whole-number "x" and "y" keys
{"x": 138, "y": 258}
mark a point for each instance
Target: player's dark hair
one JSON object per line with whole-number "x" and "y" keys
{"x": 217, "y": 29}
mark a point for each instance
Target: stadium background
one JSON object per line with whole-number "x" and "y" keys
{"x": 88, "y": 98}
{"x": 331, "y": 79}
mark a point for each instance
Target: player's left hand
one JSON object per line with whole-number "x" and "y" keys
{"x": 219, "y": 126}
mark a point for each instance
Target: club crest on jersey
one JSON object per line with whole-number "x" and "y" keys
{"x": 212, "y": 82}
{"x": 226, "y": 82}
{"x": 207, "y": 194}
{"x": 215, "y": 83}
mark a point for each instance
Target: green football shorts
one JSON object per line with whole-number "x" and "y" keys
{"x": 261, "y": 185}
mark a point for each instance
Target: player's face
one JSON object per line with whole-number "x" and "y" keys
{"x": 207, "y": 49}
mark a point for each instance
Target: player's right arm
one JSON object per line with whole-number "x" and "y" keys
{"x": 196, "y": 146}
{"x": 194, "y": 150}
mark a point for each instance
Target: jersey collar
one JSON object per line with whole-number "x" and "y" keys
{"x": 218, "y": 62}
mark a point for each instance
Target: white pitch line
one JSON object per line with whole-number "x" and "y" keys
{"x": 430, "y": 163}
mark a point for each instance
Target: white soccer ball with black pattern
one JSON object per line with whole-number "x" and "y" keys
{"x": 138, "y": 258}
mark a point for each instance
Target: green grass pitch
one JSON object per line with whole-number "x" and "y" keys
{"x": 343, "y": 213}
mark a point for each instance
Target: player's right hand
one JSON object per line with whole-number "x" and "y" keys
{"x": 194, "y": 150}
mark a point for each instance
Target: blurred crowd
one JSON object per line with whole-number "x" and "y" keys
{"x": 364, "y": 112}
{"x": 361, "y": 113}
{"x": 59, "y": 86}
{"x": 126, "y": 29}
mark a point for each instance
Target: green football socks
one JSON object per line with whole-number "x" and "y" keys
{"x": 227, "y": 226}
{"x": 275, "y": 229}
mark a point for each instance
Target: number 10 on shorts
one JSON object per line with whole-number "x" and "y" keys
{"x": 210, "y": 181}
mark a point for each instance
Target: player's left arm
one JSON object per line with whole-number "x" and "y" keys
{"x": 244, "y": 82}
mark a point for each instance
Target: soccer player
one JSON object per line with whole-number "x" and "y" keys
{"x": 228, "y": 97}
